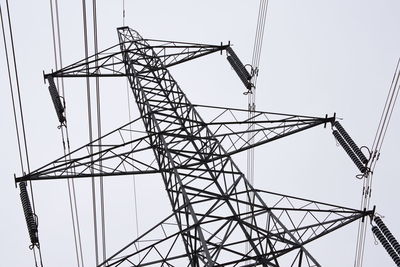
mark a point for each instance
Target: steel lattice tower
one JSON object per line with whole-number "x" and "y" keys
{"x": 215, "y": 210}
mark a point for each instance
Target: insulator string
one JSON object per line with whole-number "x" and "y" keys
{"x": 389, "y": 236}
{"x": 385, "y": 243}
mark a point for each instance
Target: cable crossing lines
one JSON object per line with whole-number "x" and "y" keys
{"x": 375, "y": 153}
{"x": 28, "y": 208}
{"x": 251, "y": 94}
{"x": 61, "y": 114}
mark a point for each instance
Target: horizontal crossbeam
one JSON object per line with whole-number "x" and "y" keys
{"x": 127, "y": 150}
{"x": 306, "y": 219}
{"x": 110, "y": 63}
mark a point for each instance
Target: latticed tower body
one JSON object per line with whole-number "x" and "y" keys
{"x": 209, "y": 193}
{"x": 216, "y": 213}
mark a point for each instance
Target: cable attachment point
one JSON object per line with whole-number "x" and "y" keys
{"x": 254, "y": 73}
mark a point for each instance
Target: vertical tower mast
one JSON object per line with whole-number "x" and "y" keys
{"x": 213, "y": 185}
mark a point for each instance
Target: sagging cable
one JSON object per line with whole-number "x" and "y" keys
{"x": 349, "y": 152}
{"x": 351, "y": 143}
{"x": 389, "y": 249}
{"x": 389, "y": 236}
{"x": 55, "y": 97}
{"x": 30, "y": 217}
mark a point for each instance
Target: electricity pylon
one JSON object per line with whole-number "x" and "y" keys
{"x": 216, "y": 212}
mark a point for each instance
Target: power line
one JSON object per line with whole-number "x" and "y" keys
{"x": 375, "y": 152}
{"x": 123, "y": 12}
{"x": 258, "y": 40}
{"x": 19, "y": 94}
{"x": 98, "y": 106}
{"x": 90, "y": 131}
{"x": 22, "y": 119}
{"x": 12, "y": 92}
{"x": 67, "y": 136}
{"x": 387, "y": 113}
{"x": 70, "y": 183}
{"x": 251, "y": 97}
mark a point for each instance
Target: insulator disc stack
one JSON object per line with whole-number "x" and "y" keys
{"x": 389, "y": 249}
{"x": 349, "y": 151}
{"x": 239, "y": 68}
{"x": 351, "y": 143}
{"x": 389, "y": 236}
{"x": 29, "y": 215}
{"x": 238, "y": 62}
{"x": 55, "y": 97}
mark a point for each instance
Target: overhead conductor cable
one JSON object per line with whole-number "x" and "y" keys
{"x": 376, "y": 148}
{"x": 93, "y": 184}
{"x": 98, "y": 107}
{"x": 64, "y": 133}
{"x": 12, "y": 93}
{"x": 251, "y": 95}
{"x": 29, "y": 210}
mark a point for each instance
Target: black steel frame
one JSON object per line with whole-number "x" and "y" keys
{"x": 215, "y": 210}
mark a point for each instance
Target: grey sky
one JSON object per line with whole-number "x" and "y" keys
{"x": 319, "y": 57}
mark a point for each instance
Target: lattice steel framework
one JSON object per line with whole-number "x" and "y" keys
{"x": 215, "y": 211}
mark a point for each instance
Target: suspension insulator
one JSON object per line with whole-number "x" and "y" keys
{"x": 389, "y": 249}
{"x": 389, "y": 236}
{"x": 239, "y": 68}
{"x": 29, "y": 215}
{"x": 241, "y": 75}
{"x": 349, "y": 151}
{"x": 238, "y": 63}
{"x": 56, "y": 100}
{"x": 350, "y": 141}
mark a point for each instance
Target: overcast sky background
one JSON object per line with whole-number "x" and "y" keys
{"x": 319, "y": 57}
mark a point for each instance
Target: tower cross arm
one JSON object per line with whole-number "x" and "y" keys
{"x": 110, "y": 62}
{"x": 237, "y": 132}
